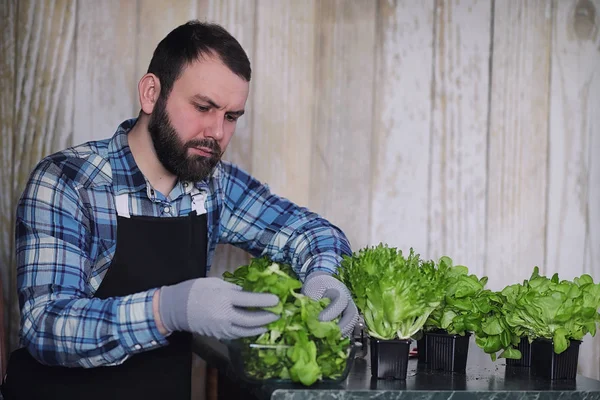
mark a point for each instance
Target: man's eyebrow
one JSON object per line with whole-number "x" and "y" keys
{"x": 238, "y": 113}
{"x": 210, "y": 102}
{"x": 206, "y": 99}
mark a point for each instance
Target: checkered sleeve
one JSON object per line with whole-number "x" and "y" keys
{"x": 263, "y": 223}
{"x": 62, "y": 324}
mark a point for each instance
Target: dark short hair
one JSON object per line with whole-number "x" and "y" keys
{"x": 188, "y": 43}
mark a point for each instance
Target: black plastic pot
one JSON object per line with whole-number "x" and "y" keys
{"x": 546, "y": 364}
{"x": 525, "y": 360}
{"x": 422, "y": 350}
{"x": 447, "y": 352}
{"x": 389, "y": 358}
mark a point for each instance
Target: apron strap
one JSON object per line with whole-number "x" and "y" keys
{"x": 122, "y": 203}
{"x": 198, "y": 199}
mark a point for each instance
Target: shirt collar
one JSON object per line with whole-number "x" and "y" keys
{"x": 127, "y": 177}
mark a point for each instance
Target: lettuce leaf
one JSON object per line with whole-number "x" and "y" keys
{"x": 550, "y": 308}
{"x": 395, "y": 294}
{"x": 299, "y": 347}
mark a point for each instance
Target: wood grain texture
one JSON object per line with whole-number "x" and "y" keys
{"x": 106, "y": 89}
{"x": 590, "y": 363}
{"x": 156, "y": 19}
{"x": 518, "y": 141}
{"x": 8, "y": 39}
{"x": 459, "y": 135}
{"x": 341, "y": 152}
{"x": 573, "y": 243}
{"x": 237, "y": 16}
{"x": 8, "y": 34}
{"x": 44, "y": 92}
{"x": 401, "y": 126}
{"x": 283, "y": 97}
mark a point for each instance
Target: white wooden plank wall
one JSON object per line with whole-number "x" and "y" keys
{"x": 400, "y": 138}
{"x": 341, "y": 152}
{"x": 106, "y": 46}
{"x": 573, "y": 242}
{"x": 8, "y": 35}
{"x": 8, "y": 39}
{"x": 465, "y": 128}
{"x": 459, "y": 132}
{"x": 518, "y": 141}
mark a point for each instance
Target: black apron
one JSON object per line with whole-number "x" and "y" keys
{"x": 150, "y": 252}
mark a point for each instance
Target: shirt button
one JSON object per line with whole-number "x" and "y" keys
{"x": 137, "y": 347}
{"x": 185, "y": 184}
{"x": 167, "y": 209}
{"x": 153, "y": 343}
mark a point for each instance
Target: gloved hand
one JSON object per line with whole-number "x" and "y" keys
{"x": 321, "y": 284}
{"x": 214, "y": 307}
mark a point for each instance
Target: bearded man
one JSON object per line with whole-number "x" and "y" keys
{"x": 114, "y": 238}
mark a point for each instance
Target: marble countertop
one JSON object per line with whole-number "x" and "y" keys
{"x": 483, "y": 379}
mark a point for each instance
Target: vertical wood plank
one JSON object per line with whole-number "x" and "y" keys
{"x": 573, "y": 240}
{"x": 516, "y": 212}
{"x": 8, "y": 39}
{"x": 106, "y": 87}
{"x": 283, "y": 96}
{"x": 459, "y": 135}
{"x": 402, "y": 119}
{"x": 341, "y": 150}
{"x": 590, "y": 363}
{"x": 45, "y": 70}
{"x": 156, "y": 19}
{"x": 238, "y": 17}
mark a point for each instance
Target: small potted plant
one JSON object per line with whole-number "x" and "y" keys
{"x": 492, "y": 332}
{"x": 449, "y": 327}
{"x": 554, "y": 316}
{"x": 395, "y": 296}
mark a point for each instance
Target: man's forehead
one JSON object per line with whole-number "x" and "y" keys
{"x": 211, "y": 78}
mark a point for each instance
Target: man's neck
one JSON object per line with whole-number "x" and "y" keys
{"x": 146, "y": 159}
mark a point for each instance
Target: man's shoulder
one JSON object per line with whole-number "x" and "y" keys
{"x": 235, "y": 180}
{"x": 229, "y": 170}
{"x": 85, "y": 165}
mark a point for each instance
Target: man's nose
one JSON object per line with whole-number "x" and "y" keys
{"x": 215, "y": 126}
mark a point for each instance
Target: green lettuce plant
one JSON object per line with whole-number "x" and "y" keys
{"x": 298, "y": 346}
{"x": 468, "y": 307}
{"x": 553, "y": 309}
{"x": 394, "y": 293}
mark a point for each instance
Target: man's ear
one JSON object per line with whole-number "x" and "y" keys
{"x": 148, "y": 90}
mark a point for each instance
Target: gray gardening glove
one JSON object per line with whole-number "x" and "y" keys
{"x": 321, "y": 284}
{"x": 213, "y": 307}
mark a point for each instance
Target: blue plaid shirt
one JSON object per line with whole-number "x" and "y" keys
{"x": 65, "y": 240}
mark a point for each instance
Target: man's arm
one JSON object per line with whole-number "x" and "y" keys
{"x": 263, "y": 223}
{"x": 61, "y": 324}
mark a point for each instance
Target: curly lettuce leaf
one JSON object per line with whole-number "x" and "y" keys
{"x": 394, "y": 293}
{"x": 299, "y": 346}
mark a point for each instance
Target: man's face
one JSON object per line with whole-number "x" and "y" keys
{"x": 192, "y": 128}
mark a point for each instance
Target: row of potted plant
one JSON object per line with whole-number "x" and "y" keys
{"x": 538, "y": 323}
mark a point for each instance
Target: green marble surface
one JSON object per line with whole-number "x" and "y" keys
{"x": 483, "y": 379}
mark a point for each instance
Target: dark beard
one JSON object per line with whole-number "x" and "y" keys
{"x": 172, "y": 152}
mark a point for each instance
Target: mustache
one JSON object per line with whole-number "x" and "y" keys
{"x": 210, "y": 144}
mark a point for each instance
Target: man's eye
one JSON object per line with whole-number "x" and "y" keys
{"x": 201, "y": 108}
{"x": 231, "y": 118}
